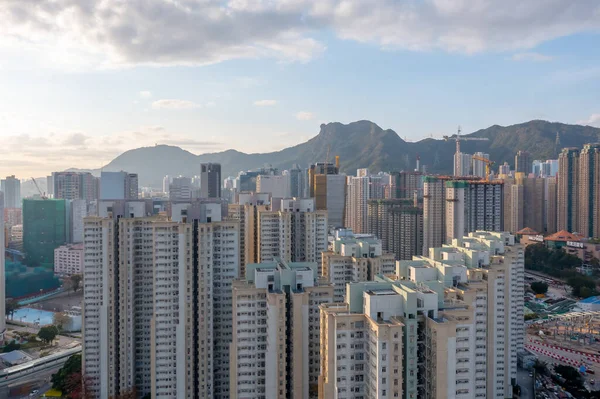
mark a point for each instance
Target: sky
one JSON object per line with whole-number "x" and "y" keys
{"x": 82, "y": 81}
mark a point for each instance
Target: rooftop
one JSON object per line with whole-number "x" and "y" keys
{"x": 592, "y": 299}
{"x": 564, "y": 235}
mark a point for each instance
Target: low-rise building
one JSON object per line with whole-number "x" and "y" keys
{"x": 68, "y": 259}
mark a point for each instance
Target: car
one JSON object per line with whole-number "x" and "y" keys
{"x": 531, "y": 374}
{"x": 34, "y": 392}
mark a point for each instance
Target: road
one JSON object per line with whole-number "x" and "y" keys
{"x": 21, "y": 387}
{"x": 526, "y": 383}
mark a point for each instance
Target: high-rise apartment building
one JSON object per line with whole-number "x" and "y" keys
{"x": 246, "y": 213}
{"x": 157, "y": 304}
{"x": 74, "y": 185}
{"x": 479, "y": 167}
{"x": 45, "y": 228}
{"x": 328, "y": 188}
{"x": 277, "y": 185}
{"x": 462, "y": 164}
{"x": 360, "y": 189}
{"x": 276, "y": 336}
{"x": 398, "y": 224}
{"x": 523, "y": 162}
{"x": 298, "y": 182}
{"x": 354, "y": 259}
{"x": 567, "y": 190}
{"x": 589, "y": 191}
{"x": 404, "y": 184}
{"x": 504, "y": 169}
{"x": 210, "y": 180}
{"x": 12, "y": 217}
{"x": 434, "y": 211}
{"x": 449, "y": 325}
{"x": 292, "y": 231}
{"x": 118, "y": 186}
{"x": 524, "y": 202}
{"x": 472, "y": 206}
{"x": 11, "y": 187}
{"x": 550, "y": 209}
{"x": 180, "y": 189}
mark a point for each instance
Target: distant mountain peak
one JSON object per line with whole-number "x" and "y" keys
{"x": 360, "y": 144}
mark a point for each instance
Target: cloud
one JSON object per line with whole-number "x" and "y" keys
{"x": 305, "y": 116}
{"x": 593, "y": 120}
{"x": 145, "y": 94}
{"x": 174, "y": 104}
{"x": 535, "y": 57}
{"x": 40, "y": 155}
{"x": 75, "y": 139}
{"x": 265, "y": 103}
{"x": 116, "y": 33}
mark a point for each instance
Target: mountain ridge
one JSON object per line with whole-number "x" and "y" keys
{"x": 361, "y": 144}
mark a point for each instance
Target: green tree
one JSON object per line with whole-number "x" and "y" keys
{"x": 579, "y": 282}
{"x": 539, "y": 287}
{"x": 48, "y": 333}
{"x": 10, "y": 306}
{"x": 75, "y": 281}
{"x": 11, "y": 346}
{"x": 63, "y": 380}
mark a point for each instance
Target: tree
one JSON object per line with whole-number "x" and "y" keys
{"x": 75, "y": 281}
{"x": 539, "y": 287}
{"x": 63, "y": 380}
{"x": 11, "y": 346}
{"x": 579, "y": 282}
{"x": 540, "y": 367}
{"x": 10, "y": 306}
{"x": 61, "y": 320}
{"x": 48, "y": 333}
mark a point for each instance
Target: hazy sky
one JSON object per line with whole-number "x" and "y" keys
{"x": 82, "y": 80}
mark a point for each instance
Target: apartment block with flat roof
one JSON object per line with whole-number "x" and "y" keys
{"x": 459, "y": 312}
{"x": 355, "y": 259}
{"x": 157, "y": 300}
{"x": 276, "y": 336}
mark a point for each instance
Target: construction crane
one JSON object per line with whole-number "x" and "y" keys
{"x": 488, "y": 166}
{"x": 43, "y": 195}
{"x": 457, "y": 137}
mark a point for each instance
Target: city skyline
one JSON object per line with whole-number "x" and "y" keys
{"x": 101, "y": 82}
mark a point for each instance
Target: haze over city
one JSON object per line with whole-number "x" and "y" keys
{"x": 83, "y": 81}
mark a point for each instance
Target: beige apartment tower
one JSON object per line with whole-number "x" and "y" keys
{"x": 276, "y": 336}
{"x": 156, "y": 300}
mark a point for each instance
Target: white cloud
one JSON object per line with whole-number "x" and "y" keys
{"x": 593, "y": 120}
{"x": 39, "y": 155}
{"x": 305, "y": 116}
{"x": 265, "y": 103}
{"x": 174, "y": 104}
{"x": 145, "y": 94}
{"x": 115, "y": 33}
{"x": 535, "y": 57}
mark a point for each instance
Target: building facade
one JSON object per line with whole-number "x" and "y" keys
{"x": 210, "y": 180}
{"x": 157, "y": 300}
{"x": 398, "y": 224}
{"x": 276, "y": 336}
{"x": 589, "y": 191}
{"x": 354, "y": 259}
{"x": 292, "y": 231}
{"x": 523, "y": 162}
{"x": 180, "y": 188}
{"x": 68, "y": 259}
{"x": 278, "y": 186}
{"x": 118, "y": 186}
{"x": 449, "y": 325}
{"x": 11, "y": 187}
{"x": 567, "y": 190}
{"x": 45, "y": 228}
{"x": 472, "y": 206}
